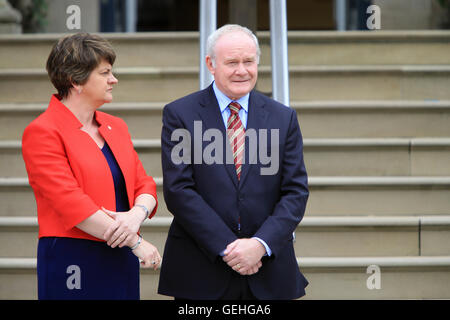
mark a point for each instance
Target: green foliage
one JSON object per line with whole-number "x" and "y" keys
{"x": 34, "y": 14}
{"x": 444, "y": 3}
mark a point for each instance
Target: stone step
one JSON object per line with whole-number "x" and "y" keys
{"x": 329, "y": 196}
{"x": 307, "y": 83}
{"x": 323, "y": 157}
{"x": 305, "y": 48}
{"x": 329, "y": 278}
{"x": 341, "y": 236}
{"x": 399, "y": 277}
{"x": 373, "y": 119}
{"x": 318, "y": 119}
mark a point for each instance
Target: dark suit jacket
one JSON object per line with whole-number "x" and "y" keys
{"x": 206, "y": 201}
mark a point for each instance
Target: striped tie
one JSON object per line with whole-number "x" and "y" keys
{"x": 236, "y": 136}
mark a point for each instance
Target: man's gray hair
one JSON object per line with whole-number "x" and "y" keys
{"x": 229, "y": 28}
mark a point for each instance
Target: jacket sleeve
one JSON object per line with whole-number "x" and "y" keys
{"x": 277, "y": 229}
{"x": 51, "y": 177}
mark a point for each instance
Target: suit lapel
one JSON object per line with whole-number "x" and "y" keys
{"x": 256, "y": 120}
{"x": 212, "y": 119}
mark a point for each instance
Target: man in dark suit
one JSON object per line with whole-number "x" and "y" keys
{"x": 235, "y": 182}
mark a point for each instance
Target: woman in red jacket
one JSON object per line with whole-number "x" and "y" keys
{"x": 91, "y": 190}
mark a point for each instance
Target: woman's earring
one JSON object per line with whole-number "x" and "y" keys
{"x": 79, "y": 90}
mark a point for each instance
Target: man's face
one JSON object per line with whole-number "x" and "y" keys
{"x": 236, "y": 68}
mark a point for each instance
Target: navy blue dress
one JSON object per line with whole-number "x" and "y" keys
{"x": 69, "y": 268}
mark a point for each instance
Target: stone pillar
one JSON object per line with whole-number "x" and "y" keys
{"x": 10, "y": 18}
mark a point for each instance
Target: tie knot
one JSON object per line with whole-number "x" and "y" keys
{"x": 234, "y": 107}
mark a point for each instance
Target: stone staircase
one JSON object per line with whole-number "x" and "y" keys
{"x": 374, "y": 109}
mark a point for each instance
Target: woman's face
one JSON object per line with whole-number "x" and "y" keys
{"x": 98, "y": 87}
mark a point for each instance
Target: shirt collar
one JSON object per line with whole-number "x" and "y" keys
{"x": 224, "y": 101}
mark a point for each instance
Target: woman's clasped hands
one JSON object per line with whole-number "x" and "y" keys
{"x": 124, "y": 232}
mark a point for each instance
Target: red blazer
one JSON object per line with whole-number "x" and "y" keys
{"x": 69, "y": 174}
